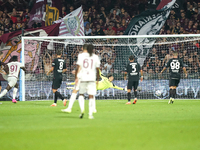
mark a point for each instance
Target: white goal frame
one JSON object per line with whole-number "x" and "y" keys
{"x": 22, "y": 74}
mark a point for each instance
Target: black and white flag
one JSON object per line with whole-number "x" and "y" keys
{"x": 147, "y": 23}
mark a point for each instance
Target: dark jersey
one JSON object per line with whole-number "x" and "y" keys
{"x": 58, "y": 64}
{"x": 133, "y": 69}
{"x": 175, "y": 65}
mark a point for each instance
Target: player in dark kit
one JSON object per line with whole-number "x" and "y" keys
{"x": 133, "y": 69}
{"x": 58, "y": 67}
{"x": 175, "y": 65}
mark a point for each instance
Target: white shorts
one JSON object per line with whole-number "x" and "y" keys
{"x": 12, "y": 81}
{"x": 88, "y": 87}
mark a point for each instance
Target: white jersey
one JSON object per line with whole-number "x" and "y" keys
{"x": 88, "y": 66}
{"x": 14, "y": 68}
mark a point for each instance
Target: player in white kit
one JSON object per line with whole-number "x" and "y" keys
{"x": 12, "y": 69}
{"x": 88, "y": 66}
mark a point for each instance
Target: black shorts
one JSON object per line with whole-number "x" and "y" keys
{"x": 174, "y": 82}
{"x": 0, "y": 83}
{"x": 133, "y": 84}
{"x": 56, "y": 82}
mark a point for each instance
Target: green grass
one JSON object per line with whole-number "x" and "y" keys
{"x": 148, "y": 125}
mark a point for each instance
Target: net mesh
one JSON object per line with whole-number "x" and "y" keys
{"x": 152, "y": 53}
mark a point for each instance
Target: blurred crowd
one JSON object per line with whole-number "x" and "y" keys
{"x": 111, "y": 17}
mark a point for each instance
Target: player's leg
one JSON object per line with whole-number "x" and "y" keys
{"x": 91, "y": 90}
{"x": 172, "y": 89}
{"x": 11, "y": 82}
{"x": 94, "y": 105}
{"x": 73, "y": 97}
{"x": 71, "y": 101}
{"x": 82, "y": 90}
{"x": 5, "y": 91}
{"x": 135, "y": 85}
{"x": 56, "y": 84}
{"x": 15, "y": 89}
{"x": 129, "y": 88}
{"x": 176, "y": 82}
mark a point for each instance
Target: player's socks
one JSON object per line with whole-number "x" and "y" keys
{"x": 81, "y": 103}
{"x": 135, "y": 93}
{"x": 14, "y": 92}
{"x": 72, "y": 100}
{"x": 129, "y": 97}
{"x": 3, "y": 93}
{"x": 55, "y": 98}
{"x": 91, "y": 107}
{"x": 94, "y": 105}
{"x": 59, "y": 95}
{"x": 173, "y": 93}
{"x": 170, "y": 92}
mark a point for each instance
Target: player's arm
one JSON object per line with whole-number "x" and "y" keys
{"x": 6, "y": 69}
{"x": 184, "y": 70}
{"x": 78, "y": 68}
{"x": 125, "y": 75}
{"x": 102, "y": 75}
{"x": 141, "y": 78}
{"x": 64, "y": 70}
{"x": 167, "y": 65}
{"x": 23, "y": 68}
{"x": 52, "y": 68}
{"x": 97, "y": 75}
{"x": 163, "y": 70}
{"x": 117, "y": 87}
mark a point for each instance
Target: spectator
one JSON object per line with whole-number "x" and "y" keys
{"x": 102, "y": 14}
{"x": 108, "y": 66}
{"x": 88, "y": 31}
{"x": 63, "y": 11}
{"x": 110, "y": 31}
{"x": 116, "y": 8}
{"x": 86, "y": 20}
{"x": 114, "y": 17}
{"x": 99, "y": 31}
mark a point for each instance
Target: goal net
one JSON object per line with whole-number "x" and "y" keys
{"x": 152, "y": 53}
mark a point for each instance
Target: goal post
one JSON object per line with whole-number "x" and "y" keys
{"x": 152, "y": 53}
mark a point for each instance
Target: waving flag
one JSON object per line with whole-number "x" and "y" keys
{"x": 147, "y": 23}
{"x": 10, "y": 44}
{"x": 44, "y": 11}
{"x": 72, "y": 24}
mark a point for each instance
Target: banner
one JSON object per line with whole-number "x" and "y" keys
{"x": 72, "y": 24}
{"x": 10, "y": 44}
{"x": 187, "y": 89}
{"x": 38, "y": 12}
{"x": 147, "y": 23}
{"x": 52, "y": 14}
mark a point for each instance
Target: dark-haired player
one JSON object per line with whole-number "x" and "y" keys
{"x": 58, "y": 67}
{"x": 88, "y": 66}
{"x": 175, "y": 65}
{"x": 133, "y": 69}
{"x": 12, "y": 69}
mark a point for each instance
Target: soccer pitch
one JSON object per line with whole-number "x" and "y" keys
{"x": 147, "y": 125}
